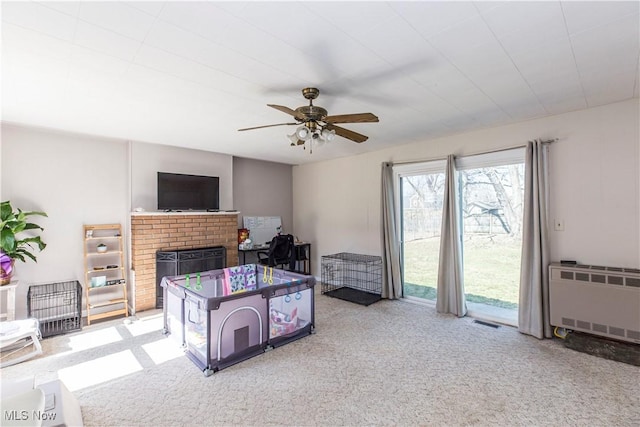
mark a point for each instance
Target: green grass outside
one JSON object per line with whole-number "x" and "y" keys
{"x": 491, "y": 269}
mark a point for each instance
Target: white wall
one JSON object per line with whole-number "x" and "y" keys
{"x": 594, "y": 173}
{"x": 76, "y": 180}
{"x": 149, "y": 159}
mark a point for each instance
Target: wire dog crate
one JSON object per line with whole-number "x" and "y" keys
{"x": 352, "y": 277}
{"x": 58, "y": 307}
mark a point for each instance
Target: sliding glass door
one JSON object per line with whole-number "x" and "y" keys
{"x": 490, "y": 198}
{"x": 491, "y": 192}
{"x": 422, "y": 191}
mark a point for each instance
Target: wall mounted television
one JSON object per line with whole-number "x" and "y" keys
{"x": 177, "y": 192}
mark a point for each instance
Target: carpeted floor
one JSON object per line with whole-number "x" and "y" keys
{"x": 391, "y": 363}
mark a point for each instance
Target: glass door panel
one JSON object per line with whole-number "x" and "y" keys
{"x": 491, "y": 207}
{"x": 421, "y": 205}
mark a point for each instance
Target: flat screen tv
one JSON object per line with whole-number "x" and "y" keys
{"x": 188, "y": 192}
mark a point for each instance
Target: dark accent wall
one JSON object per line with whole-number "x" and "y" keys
{"x": 263, "y": 189}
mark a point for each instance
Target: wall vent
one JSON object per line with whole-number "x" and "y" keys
{"x": 594, "y": 299}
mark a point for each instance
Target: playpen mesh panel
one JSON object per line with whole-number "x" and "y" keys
{"x": 58, "y": 307}
{"x": 352, "y": 277}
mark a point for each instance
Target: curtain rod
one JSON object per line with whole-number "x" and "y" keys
{"x": 408, "y": 162}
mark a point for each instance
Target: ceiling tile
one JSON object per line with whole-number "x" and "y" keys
{"x": 86, "y": 82}
{"x": 285, "y": 23}
{"x": 40, "y": 18}
{"x": 557, "y": 86}
{"x": 600, "y": 91}
{"x": 185, "y": 44}
{"x": 153, "y": 8}
{"x": 584, "y": 15}
{"x": 82, "y": 57}
{"x": 443, "y": 78}
{"x": 105, "y": 41}
{"x": 463, "y": 37}
{"x": 36, "y": 74}
{"x": 432, "y": 17}
{"x": 169, "y": 37}
{"x": 486, "y": 5}
{"x": 195, "y": 72}
{"x": 559, "y": 105}
{"x": 345, "y": 15}
{"x": 273, "y": 51}
{"x": 203, "y": 18}
{"x": 612, "y": 45}
{"x": 117, "y": 17}
{"x": 398, "y": 43}
{"x": 533, "y": 64}
{"x": 66, "y": 7}
{"x": 513, "y": 18}
{"x": 483, "y": 61}
{"x": 320, "y": 52}
{"x": 19, "y": 40}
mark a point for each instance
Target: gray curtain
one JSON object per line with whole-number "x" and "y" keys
{"x": 533, "y": 312}
{"x": 450, "y": 293}
{"x": 391, "y": 265}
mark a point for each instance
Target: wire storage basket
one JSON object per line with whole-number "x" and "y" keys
{"x": 58, "y": 307}
{"x": 352, "y": 277}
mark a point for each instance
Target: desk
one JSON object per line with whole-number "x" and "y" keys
{"x": 244, "y": 252}
{"x": 10, "y": 289}
{"x": 303, "y": 255}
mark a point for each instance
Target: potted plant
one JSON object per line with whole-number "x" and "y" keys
{"x": 12, "y": 246}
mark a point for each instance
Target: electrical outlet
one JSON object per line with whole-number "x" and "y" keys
{"x": 558, "y": 225}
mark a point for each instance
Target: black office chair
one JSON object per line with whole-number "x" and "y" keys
{"x": 281, "y": 252}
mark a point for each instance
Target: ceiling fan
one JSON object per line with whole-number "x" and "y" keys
{"x": 316, "y": 125}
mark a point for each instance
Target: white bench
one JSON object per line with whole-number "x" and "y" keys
{"x": 17, "y": 335}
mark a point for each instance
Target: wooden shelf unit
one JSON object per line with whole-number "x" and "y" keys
{"x": 109, "y": 264}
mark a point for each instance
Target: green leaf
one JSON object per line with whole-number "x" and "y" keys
{"x": 31, "y": 226}
{"x": 13, "y": 223}
{"x": 5, "y": 210}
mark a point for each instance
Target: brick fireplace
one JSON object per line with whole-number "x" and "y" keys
{"x": 153, "y": 231}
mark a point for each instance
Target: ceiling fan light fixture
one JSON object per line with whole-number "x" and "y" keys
{"x": 293, "y": 138}
{"x": 315, "y": 125}
{"x": 328, "y": 135}
{"x": 303, "y": 133}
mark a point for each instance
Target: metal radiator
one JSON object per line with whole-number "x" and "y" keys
{"x": 598, "y": 300}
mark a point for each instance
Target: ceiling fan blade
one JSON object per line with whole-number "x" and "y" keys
{"x": 267, "y": 126}
{"x": 287, "y": 110}
{"x": 352, "y": 118}
{"x": 349, "y": 134}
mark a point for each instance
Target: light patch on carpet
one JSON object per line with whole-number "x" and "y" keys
{"x": 162, "y": 351}
{"x": 99, "y": 370}
{"x": 91, "y": 340}
{"x": 141, "y": 327}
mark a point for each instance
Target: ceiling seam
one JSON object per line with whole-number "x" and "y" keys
{"x": 573, "y": 55}
{"x": 459, "y": 70}
{"x": 513, "y": 63}
{"x": 442, "y": 56}
{"x": 140, "y": 44}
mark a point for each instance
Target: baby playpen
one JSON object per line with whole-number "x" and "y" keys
{"x": 224, "y": 316}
